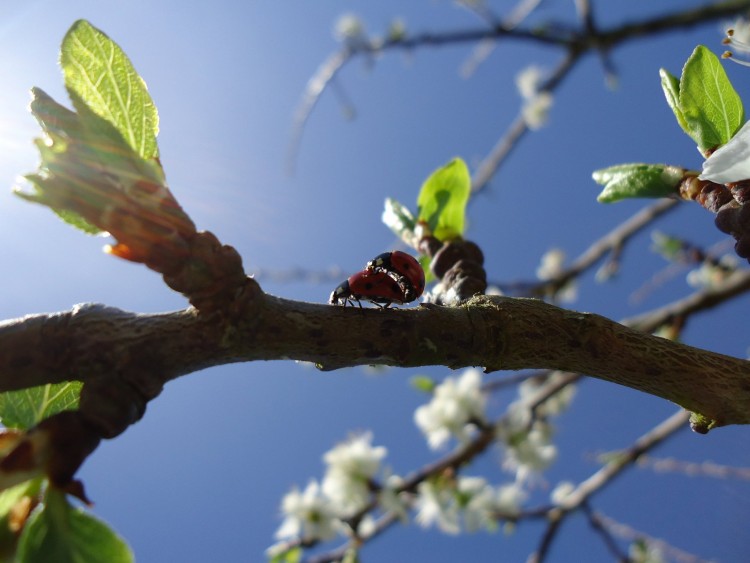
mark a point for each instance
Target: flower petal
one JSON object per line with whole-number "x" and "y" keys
{"x": 730, "y": 163}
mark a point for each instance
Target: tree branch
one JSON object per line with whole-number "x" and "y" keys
{"x": 95, "y": 342}
{"x": 603, "y": 477}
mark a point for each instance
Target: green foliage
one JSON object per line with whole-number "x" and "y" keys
{"x": 27, "y": 407}
{"x": 293, "y": 555}
{"x": 84, "y": 164}
{"x": 101, "y": 79}
{"x": 423, "y": 383}
{"x": 92, "y": 156}
{"x": 56, "y": 531}
{"x": 637, "y": 180}
{"x": 443, "y": 198}
{"x": 670, "y": 248}
{"x": 12, "y": 501}
{"x": 671, "y": 86}
{"x": 707, "y": 108}
{"x": 704, "y": 102}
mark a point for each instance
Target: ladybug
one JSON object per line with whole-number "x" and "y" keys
{"x": 375, "y": 286}
{"x": 404, "y": 268}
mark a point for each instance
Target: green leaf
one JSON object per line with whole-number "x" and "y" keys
{"x": 21, "y": 496}
{"x": 711, "y": 107}
{"x": 58, "y": 532}
{"x": 671, "y": 86}
{"x": 443, "y": 198}
{"x": 86, "y": 167}
{"x": 27, "y": 407}
{"x": 638, "y": 180}
{"x": 75, "y": 220}
{"x": 423, "y": 383}
{"x": 669, "y": 247}
{"x": 293, "y": 555}
{"x": 351, "y": 555}
{"x": 101, "y": 79}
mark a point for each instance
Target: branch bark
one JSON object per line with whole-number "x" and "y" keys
{"x": 98, "y": 345}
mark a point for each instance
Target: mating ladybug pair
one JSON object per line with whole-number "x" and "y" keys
{"x": 391, "y": 277}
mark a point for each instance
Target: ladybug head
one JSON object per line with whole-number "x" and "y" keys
{"x": 341, "y": 294}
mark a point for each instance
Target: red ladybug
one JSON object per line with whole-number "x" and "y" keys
{"x": 402, "y": 267}
{"x": 374, "y": 286}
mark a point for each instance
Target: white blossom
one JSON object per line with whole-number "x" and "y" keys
{"x": 308, "y": 515}
{"x": 561, "y": 492}
{"x": 397, "y": 30}
{"x": 528, "y": 440}
{"x": 554, "y": 405}
{"x": 535, "y": 111}
{"x": 551, "y": 266}
{"x": 730, "y": 162}
{"x": 477, "y": 499}
{"x": 366, "y": 526}
{"x": 356, "y": 457}
{"x": 537, "y": 103}
{"x": 349, "y": 27}
{"x": 528, "y": 454}
{"x": 436, "y": 505}
{"x": 528, "y": 81}
{"x": 455, "y": 403}
{"x": 644, "y": 552}
{"x": 351, "y": 465}
{"x": 709, "y": 275}
{"x": 508, "y": 499}
{"x": 390, "y": 500}
{"x": 468, "y": 503}
{"x": 738, "y": 39}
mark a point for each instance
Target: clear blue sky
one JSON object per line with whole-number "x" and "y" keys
{"x": 200, "y": 478}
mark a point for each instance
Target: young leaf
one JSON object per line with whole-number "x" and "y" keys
{"x": 638, "y": 180}
{"x": 293, "y": 555}
{"x": 671, "y": 86}
{"x": 93, "y": 179}
{"x": 423, "y": 383}
{"x": 15, "y": 505}
{"x": 711, "y": 107}
{"x": 27, "y": 407}
{"x": 58, "y": 532}
{"x": 442, "y": 200}
{"x": 100, "y": 78}
{"x": 400, "y": 220}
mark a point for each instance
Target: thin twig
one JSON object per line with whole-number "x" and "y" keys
{"x": 518, "y": 129}
{"x": 693, "y": 469}
{"x": 605, "y": 476}
{"x": 574, "y": 43}
{"x": 315, "y": 87}
{"x": 613, "y": 240}
{"x": 598, "y": 526}
{"x": 627, "y": 532}
{"x": 704, "y": 299}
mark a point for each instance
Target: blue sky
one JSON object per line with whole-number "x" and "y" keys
{"x": 202, "y": 475}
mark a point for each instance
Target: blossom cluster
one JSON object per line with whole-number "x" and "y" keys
{"x": 528, "y": 440}
{"x": 466, "y": 503}
{"x": 457, "y": 405}
{"x": 550, "y": 267}
{"x": 536, "y": 102}
{"x": 355, "y": 481}
{"x": 317, "y": 513}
